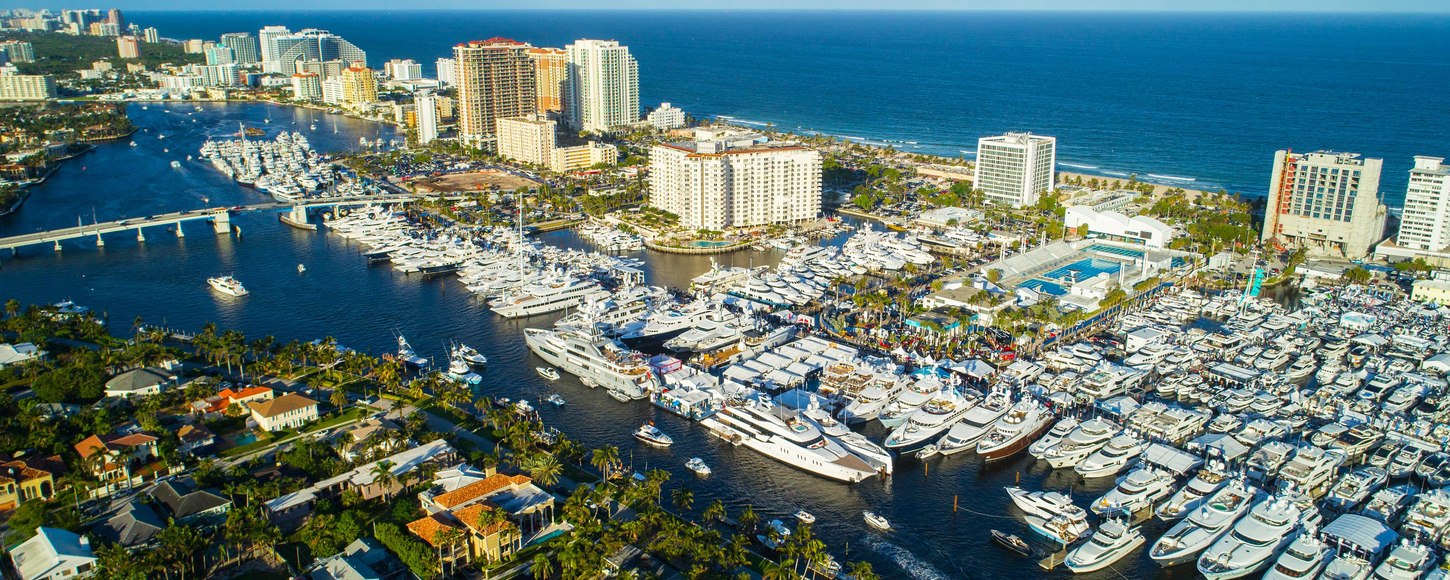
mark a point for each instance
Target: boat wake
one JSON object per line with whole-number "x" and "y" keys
{"x": 1066, "y": 164}
{"x": 914, "y": 566}
{"x": 1171, "y": 177}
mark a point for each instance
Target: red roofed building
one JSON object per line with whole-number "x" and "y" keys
{"x": 219, "y": 404}
{"x": 114, "y": 459}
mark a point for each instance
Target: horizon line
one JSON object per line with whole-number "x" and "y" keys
{"x": 1029, "y": 10}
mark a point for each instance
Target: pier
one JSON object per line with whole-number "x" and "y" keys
{"x": 220, "y": 219}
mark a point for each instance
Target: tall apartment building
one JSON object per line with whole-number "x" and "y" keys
{"x": 128, "y": 47}
{"x": 332, "y": 90}
{"x": 306, "y": 86}
{"x": 323, "y": 68}
{"x": 151, "y": 35}
{"x": 425, "y": 105}
{"x": 219, "y": 75}
{"x": 1016, "y": 168}
{"x": 603, "y": 86}
{"x": 1425, "y": 222}
{"x": 551, "y": 68}
{"x": 267, "y": 44}
{"x": 527, "y": 139}
{"x": 495, "y": 80}
{"x": 313, "y": 44}
{"x": 666, "y": 117}
{"x": 403, "y": 70}
{"x": 443, "y": 69}
{"x": 359, "y": 86}
{"x": 18, "y": 87}
{"x": 220, "y": 54}
{"x": 244, "y": 47}
{"x": 18, "y": 50}
{"x": 717, "y": 184}
{"x": 113, "y": 16}
{"x": 1325, "y": 202}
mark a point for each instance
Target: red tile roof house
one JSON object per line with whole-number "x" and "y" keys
{"x": 118, "y": 461}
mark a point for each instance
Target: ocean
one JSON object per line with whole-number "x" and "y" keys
{"x": 1197, "y": 100}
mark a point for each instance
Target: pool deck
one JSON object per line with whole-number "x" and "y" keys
{"x": 698, "y": 250}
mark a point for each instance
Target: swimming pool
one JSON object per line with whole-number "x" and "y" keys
{"x": 1080, "y": 270}
{"x": 1044, "y": 287}
{"x": 1115, "y": 251}
{"x": 708, "y": 244}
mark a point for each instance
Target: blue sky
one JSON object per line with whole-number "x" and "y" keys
{"x": 1369, "y": 6}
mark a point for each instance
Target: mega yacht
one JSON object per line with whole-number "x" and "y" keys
{"x": 923, "y": 388}
{"x": 1355, "y": 487}
{"x": 1135, "y": 492}
{"x": 1205, "y": 525}
{"x": 1060, "y": 430}
{"x": 1408, "y": 560}
{"x": 867, "y": 403}
{"x": 975, "y": 424}
{"x": 1113, "y": 458}
{"x": 1254, "y": 541}
{"x": 854, "y": 442}
{"x": 1089, "y": 437}
{"x": 1113, "y": 540}
{"x": 937, "y": 415}
{"x": 1051, "y": 514}
{"x": 1015, "y": 431}
{"x": 548, "y": 296}
{"x": 662, "y": 325}
{"x": 1205, "y": 483}
{"x": 1311, "y": 471}
{"x": 1305, "y": 557}
{"x": 596, "y": 360}
{"x": 1429, "y": 517}
{"x": 227, "y": 285}
{"x": 783, "y": 435}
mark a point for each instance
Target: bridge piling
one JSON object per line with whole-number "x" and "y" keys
{"x": 57, "y": 246}
{"x": 221, "y": 221}
{"x": 179, "y": 232}
{"x": 100, "y": 241}
{"x": 140, "y": 235}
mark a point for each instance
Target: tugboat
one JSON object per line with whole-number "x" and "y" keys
{"x": 652, "y": 435}
{"x": 227, "y": 285}
{"x": 1012, "y": 542}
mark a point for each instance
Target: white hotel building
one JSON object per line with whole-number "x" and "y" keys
{"x": 602, "y": 86}
{"x": 1425, "y": 223}
{"x": 1016, "y": 168}
{"x": 1325, "y": 202}
{"x": 718, "y": 184}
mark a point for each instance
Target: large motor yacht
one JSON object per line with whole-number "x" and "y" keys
{"x": 928, "y": 422}
{"x": 548, "y": 296}
{"x": 596, "y": 360}
{"x": 1254, "y": 541}
{"x": 1089, "y": 437}
{"x": 783, "y": 435}
{"x": 1135, "y": 492}
{"x": 1113, "y": 458}
{"x": 1015, "y": 431}
{"x": 974, "y": 425}
{"x": 1113, "y": 540}
{"x": 1194, "y": 493}
{"x": 1205, "y": 525}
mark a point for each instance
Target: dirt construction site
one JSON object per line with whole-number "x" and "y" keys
{"x": 483, "y": 180}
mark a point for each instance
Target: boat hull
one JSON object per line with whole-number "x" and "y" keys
{"x": 1016, "y": 446}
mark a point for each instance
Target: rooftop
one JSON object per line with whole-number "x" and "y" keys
{"x": 283, "y": 404}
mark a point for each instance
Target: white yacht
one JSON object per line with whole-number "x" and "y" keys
{"x": 1205, "y": 525}
{"x": 548, "y": 296}
{"x": 1355, "y": 487}
{"x": 1113, "y": 458}
{"x": 1051, "y": 514}
{"x": 1305, "y": 557}
{"x": 1205, "y": 483}
{"x": 873, "y": 398}
{"x": 662, "y": 325}
{"x": 856, "y": 443}
{"x": 1015, "y": 431}
{"x": 1112, "y": 541}
{"x": 1135, "y": 492}
{"x": 594, "y": 359}
{"x": 975, "y": 424}
{"x": 1311, "y": 471}
{"x": 923, "y": 388}
{"x": 1060, "y": 430}
{"x": 1265, "y": 461}
{"x": 1089, "y": 437}
{"x": 1387, "y": 505}
{"x": 1254, "y": 541}
{"x": 1408, "y": 560}
{"x": 1429, "y": 517}
{"x": 785, "y": 436}
{"x": 927, "y": 423}
{"x": 227, "y": 285}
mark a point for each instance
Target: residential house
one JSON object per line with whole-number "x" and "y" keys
{"x": 52, "y": 554}
{"x": 223, "y": 401}
{"x": 140, "y": 382}
{"x": 183, "y": 502}
{"x": 14, "y": 354}
{"x": 20, "y": 482}
{"x": 363, "y": 559}
{"x": 288, "y": 411}
{"x": 135, "y": 524}
{"x": 527, "y": 508}
{"x": 195, "y": 439}
{"x": 114, "y": 459}
{"x": 296, "y": 506}
{"x": 370, "y": 437}
{"x": 435, "y": 529}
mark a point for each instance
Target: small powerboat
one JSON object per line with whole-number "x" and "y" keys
{"x": 547, "y": 373}
{"x": 876, "y": 521}
{"x": 1012, "y": 542}
{"x": 805, "y": 517}
{"x": 652, "y": 435}
{"x": 698, "y": 466}
{"x": 555, "y": 399}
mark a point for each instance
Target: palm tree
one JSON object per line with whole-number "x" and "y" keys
{"x": 383, "y": 475}
{"x": 683, "y": 499}
{"x": 714, "y": 512}
{"x": 545, "y": 469}
{"x": 542, "y": 567}
{"x": 861, "y": 571}
{"x": 339, "y": 397}
{"x": 604, "y": 460}
{"x": 748, "y": 519}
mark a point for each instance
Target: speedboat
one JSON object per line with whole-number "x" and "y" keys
{"x": 1136, "y": 491}
{"x": 1112, "y": 458}
{"x": 1089, "y": 437}
{"x": 555, "y": 399}
{"x": 1194, "y": 493}
{"x": 1253, "y": 542}
{"x": 1355, "y": 487}
{"x": 227, "y": 285}
{"x": 547, "y": 372}
{"x": 1015, "y": 431}
{"x": 805, "y": 517}
{"x": 1205, "y": 525}
{"x": 876, "y": 521}
{"x": 1409, "y": 560}
{"x": 1305, "y": 557}
{"x": 1012, "y": 542}
{"x": 470, "y": 356}
{"x": 1113, "y": 540}
{"x": 652, "y": 435}
{"x": 775, "y": 536}
{"x": 698, "y": 466}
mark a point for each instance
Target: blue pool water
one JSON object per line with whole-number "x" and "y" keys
{"x": 1115, "y": 251}
{"x": 1044, "y": 287}
{"x": 1082, "y": 270}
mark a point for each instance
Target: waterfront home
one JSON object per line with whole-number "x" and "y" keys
{"x": 363, "y": 559}
{"x": 15, "y": 354}
{"x": 526, "y": 504}
{"x": 184, "y": 503}
{"x": 110, "y": 458}
{"x": 54, "y": 553}
{"x": 20, "y": 483}
{"x": 481, "y": 533}
{"x": 371, "y": 437}
{"x": 140, "y": 382}
{"x": 288, "y": 411}
{"x": 223, "y": 401}
{"x": 135, "y": 524}
{"x": 194, "y": 439}
{"x": 294, "y": 507}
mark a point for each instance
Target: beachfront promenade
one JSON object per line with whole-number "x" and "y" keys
{"x": 220, "y": 219}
